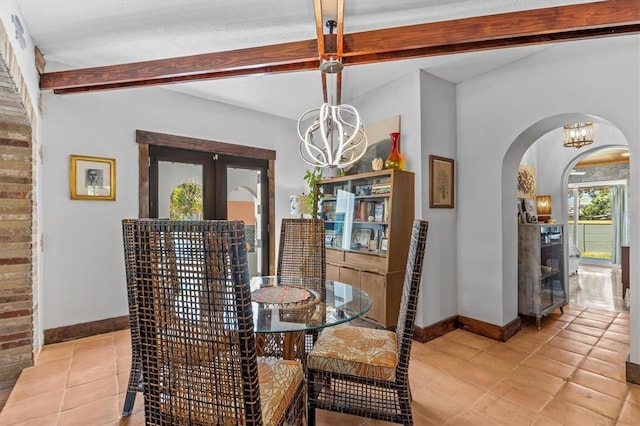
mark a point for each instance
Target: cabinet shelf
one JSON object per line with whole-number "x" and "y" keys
{"x": 346, "y": 208}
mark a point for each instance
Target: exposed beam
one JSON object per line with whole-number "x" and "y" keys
{"x": 539, "y": 26}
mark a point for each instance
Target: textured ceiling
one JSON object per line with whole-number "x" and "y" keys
{"x": 79, "y": 34}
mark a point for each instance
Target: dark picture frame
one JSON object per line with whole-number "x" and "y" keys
{"x": 92, "y": 178}
{"x": 441, "y": 182}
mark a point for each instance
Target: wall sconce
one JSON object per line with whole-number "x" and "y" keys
{"x": 543, "y": 207}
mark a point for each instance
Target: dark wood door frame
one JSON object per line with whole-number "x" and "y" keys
{"x": 145, "y": 139}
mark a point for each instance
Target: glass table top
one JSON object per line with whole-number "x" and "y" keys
{"x": 284, "y": 304}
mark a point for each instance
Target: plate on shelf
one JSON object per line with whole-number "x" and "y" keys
{"x": 362, "y": 236}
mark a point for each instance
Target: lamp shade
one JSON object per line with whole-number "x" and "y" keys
{"x": 543, "y": 207}
{"x": 578, "y": 135}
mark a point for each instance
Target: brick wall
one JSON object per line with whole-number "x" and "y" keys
{"x": 18, "y": 227}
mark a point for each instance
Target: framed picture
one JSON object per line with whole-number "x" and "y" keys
{"x": 92, "y": 178}
{"x": 526, "y": 181}
{"x": 383, "y": 244}
{"x": 441, "y": 182}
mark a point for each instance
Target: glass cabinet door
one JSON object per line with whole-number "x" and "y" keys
{"x": 552, "y": 266}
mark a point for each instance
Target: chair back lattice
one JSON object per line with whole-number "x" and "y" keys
{"x": 302, "y": 251}
{"x": 195, "y": 321}
{"x": 409, "y": 301}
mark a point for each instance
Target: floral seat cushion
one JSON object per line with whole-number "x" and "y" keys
{"x": 356, "y": 351}
{"x": 278, "y": 380}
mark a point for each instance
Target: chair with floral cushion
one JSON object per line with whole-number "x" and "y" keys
{"x": 196, "y": 329}
{"x": 363, "y": 371}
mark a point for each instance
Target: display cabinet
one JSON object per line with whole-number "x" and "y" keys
{"x": 368, "y": 220}
{"x": 541, "y": 269}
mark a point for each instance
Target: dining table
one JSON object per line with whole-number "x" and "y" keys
{"x": 291, "y": 307}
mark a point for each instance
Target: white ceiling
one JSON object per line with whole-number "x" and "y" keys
{"x": 86, "y": 33}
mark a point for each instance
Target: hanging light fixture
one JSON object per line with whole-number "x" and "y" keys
{"x": 578, "y": 135}
{"x": 332, "y": 135}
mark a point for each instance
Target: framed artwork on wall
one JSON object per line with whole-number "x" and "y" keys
{"x": 526, "y": 181}
{"x": 441, "y": 182}
{"x": 92, "y": 178}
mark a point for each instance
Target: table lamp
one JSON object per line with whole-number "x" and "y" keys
{"x": 543, "y": 207}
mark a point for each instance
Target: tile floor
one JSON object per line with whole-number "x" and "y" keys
{"x": 571, "y": 372}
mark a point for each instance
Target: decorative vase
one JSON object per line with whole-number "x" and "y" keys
{"x": 395, "y": 160}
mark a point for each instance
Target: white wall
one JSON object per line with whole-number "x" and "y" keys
{"x": 517, "y": 104}
{"x": 83, "y": 276}
{"x": 438, "y": 295}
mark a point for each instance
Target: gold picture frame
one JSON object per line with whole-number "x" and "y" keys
{"x": 441, "y": 182}
{"x": 92, "y": 178}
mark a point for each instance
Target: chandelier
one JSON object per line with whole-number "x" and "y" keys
{"x": 578, "y": 135}
{"x": 333, "y": 134}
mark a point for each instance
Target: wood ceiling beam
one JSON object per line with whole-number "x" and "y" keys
{"x": 538, "y": 26}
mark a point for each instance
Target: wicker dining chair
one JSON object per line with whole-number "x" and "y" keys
{"x": 196, "y": 328}
{"x": 135, "y": 375}
{"x": 301, "y": 253}
{"x": 363, "y": 371}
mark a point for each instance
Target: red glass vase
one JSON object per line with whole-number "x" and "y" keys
{"x": 395, "y": 160}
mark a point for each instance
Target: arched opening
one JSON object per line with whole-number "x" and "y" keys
{"x": 554, "y": 163}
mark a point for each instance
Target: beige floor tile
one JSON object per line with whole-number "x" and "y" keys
{"x": 327, "y": 418}
{"x": 596, "y": 315}
{"x": 571, "y": 345}
{"x": 480, "y": 376}
{"x": 471, "y": 418}
{"x": 476, "y": 341}
{"x": 553, "y": 367}
{"x": 436, "y": 406}
{"x": 508, "y": 353}
{"x": 545, "y": 421}
{"x": 592, "y": 323}
{"x": 612, "y": 345}
{"x": 55, "y": 351}
{"x": 526, "y": 396}
{"x": 524, "y": 344}
{"x": 442, "y": 361}
{"x": 537, "y": 379}
{"x": 28, "y": 388}
{"x": 603, "y": 384}
{"x": 614, "y": 371}
{"x": 630, "y": 413}
{"x": 568, "y": 413}
{"x": 618, "y": 337}
{"x": 591, "y": 399}
{"x": 503, "y": 411}
{"x": 89, "y": 392}
{"x": 458, "y": 389}
{"x": 561, "y": 355}
{"x": 29, "y": 409}
{"x": 621, "y": 329}
{"x": 634, "y": 394}
{"x": 421, "y": 374}
{"x": 609, "y": 356}
{"x": 135, "y": 419}
{"x": 485, "y": 360}
{"x": 576, "y": 333}
{"x": 46, "y": 369}
{"x": 459, "y": 350}
{"x": 98, "y": 412}
{"x": 93, "y": 373}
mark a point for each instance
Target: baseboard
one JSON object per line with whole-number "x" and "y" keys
{"x": 492, "y": 331}
{"x": 86, "y": 329}
{"x": 633, "y": 371}
{"x": 424, "y": 334}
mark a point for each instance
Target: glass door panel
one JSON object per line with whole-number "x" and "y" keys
{"x": 244, "y": 187}
{"x": 180, "y": 191}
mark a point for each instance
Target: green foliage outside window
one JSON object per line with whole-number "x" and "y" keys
{"x": 186, "y": 202}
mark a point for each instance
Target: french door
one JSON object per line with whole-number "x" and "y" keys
{"x": 193, "y": 185}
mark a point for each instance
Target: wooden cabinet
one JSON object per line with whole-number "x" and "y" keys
{"x": 368, "y": 220}
{"x": 541, "y": 270}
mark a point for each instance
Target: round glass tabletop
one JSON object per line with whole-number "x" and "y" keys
{"x": 285, "y": 304}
